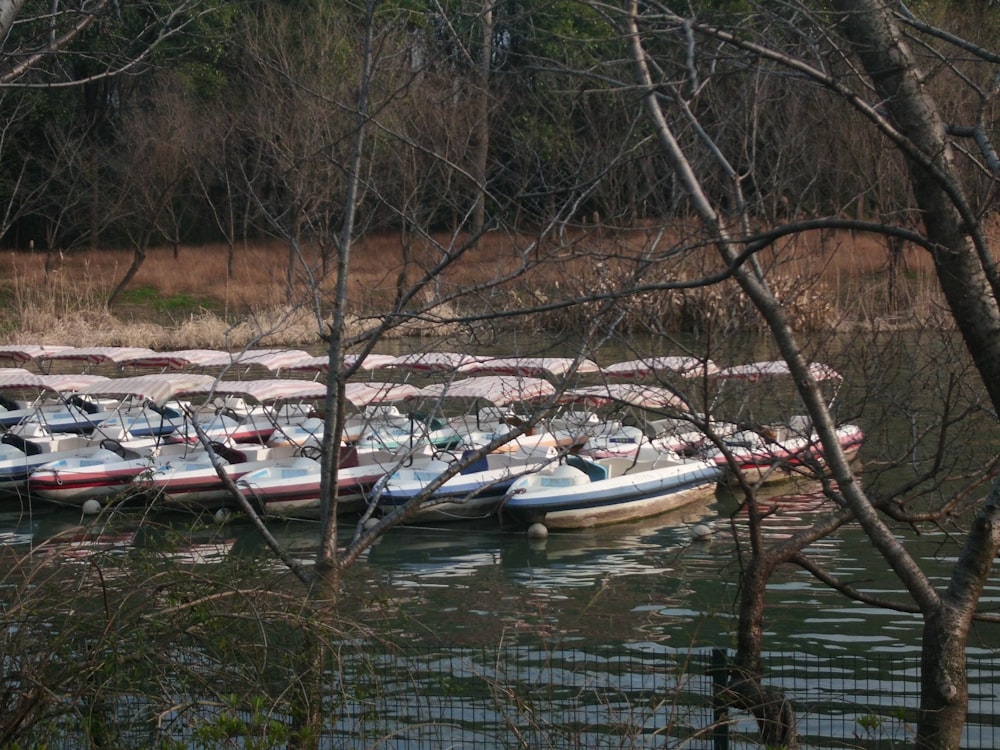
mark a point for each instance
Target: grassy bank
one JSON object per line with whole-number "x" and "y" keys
{"x": 184, "y": 298}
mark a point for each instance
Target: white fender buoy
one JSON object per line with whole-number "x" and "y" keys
{"x": 701, "y": 531}
{"x": 91, "y": 507}
{"x": 222, "y": 515}
{"x": 538, "y": 531}
{"x": 369, "y": 523}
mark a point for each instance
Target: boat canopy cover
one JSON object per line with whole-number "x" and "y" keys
{"x": 267, "y": 390}
{"x": 535, "y": 367}
{"x": 17, "y": 378}
{"x": 628, "y": 394}
{"x": 688, "y": 367}
{"x": 774, "y": 368}
{"x": 97, "y": 355}
{"x": 72, "y": 382}
{"x": 372, "y": 392}
{"x": 433, "y": 361}
{"x": 22, "y": 353}
{"x": 496, "y": 389}
{"x": 321, "y": 363}
{"x": 155, "y": 388}
{"x": 270, "y": 359}
{"x": 176, "y": 360}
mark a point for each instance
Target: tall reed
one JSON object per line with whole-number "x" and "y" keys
{"x": 185, "y": 299}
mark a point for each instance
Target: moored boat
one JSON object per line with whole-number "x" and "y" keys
{"x": 106, "y": 468}
{"x": 779, "y": 452}
{"x": 292, "y": 489}
{"x": 474, "y": 492}
{"x": 102, "y": 474}
{"x": 776, "y": 450}
{"x": 190, "y": 481}
{"x": 586, "y": 491}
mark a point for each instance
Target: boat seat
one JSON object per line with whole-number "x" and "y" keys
{"x": 349, "y": 457}
{"x": 616, "y": 467}
{"x": 88, "y": 407}
{"x": 167, "y": 412}
{"x": 595, "y": 472}
{"x": 231, "y": 455}
{"x": 29, "y": 447}
{"x": 480, "y": 464}
{"x": 800, "y": 425}
{"x": 673, "y": 426}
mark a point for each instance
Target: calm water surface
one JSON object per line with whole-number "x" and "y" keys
{"x": 652, "y": 581}
{"x": 613, "y": 611}
{"x": 647, "y": 589}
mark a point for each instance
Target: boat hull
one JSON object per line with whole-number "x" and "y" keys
{"x": 771, "y": 463}
{"x": 474, "y": 493}
{"x": 293, "y": 491}
{"x": 195, "y": 485}
{"x": 77, "y": 482}
{"x": 592, "y": 502}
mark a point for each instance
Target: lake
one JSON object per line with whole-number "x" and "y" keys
{"x": 625, "y": 602}
{"x": 648, "y": 597}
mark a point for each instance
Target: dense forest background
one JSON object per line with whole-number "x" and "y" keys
{"x": 605, "y": 169}
{"x": 240, "y": 119}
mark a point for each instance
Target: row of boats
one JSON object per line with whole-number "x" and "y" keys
{"x": 526, "y": 449}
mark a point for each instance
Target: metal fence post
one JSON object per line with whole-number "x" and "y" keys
{"x": 720, "y": 675}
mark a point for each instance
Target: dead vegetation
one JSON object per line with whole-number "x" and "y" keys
{"x": 185, "y": 298}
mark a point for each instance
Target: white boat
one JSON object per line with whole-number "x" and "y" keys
{"x": 776, "y": 451}
{"x": 104, "y": 473}
{"x": 240, "y": 417}
{"x": 583, "y": 491}
{"x": 24, "y": 448}
{"x": 635, "y": 416}
{"x": 375, "y": 408}
{"x": 191, "y": 482}
{"x": 475, "y": 492}
{"x": 107, "y": 466}
{"x": 483, "y": 408}
{"x": 292, "y": 489}
{"x": 31, "y": 442}
{"x": 230, "y": 423}
{"x": 56, "y": 405}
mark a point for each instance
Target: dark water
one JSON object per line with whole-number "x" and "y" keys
{"x": 628, "y": 602}
{"x": 651, "y": 581}
{"x": 645, "y": 591}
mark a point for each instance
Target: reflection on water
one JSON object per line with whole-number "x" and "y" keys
{"x": 589, "y": 608}
{"x": 650, "y": 581}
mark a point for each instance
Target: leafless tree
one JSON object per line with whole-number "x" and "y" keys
{"x": 39, "y": 42}
{"x": 904, "y": 113}
{"x": 157, "y": 168}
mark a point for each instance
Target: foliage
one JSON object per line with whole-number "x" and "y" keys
{"x": 176, "y": 305}
{"x": 565, "y": 129}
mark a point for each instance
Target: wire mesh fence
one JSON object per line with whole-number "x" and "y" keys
{"x": 634, "y": 697}
{"x": 547, "y": 698}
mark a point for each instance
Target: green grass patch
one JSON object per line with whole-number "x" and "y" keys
{"x": 180, "y": 304}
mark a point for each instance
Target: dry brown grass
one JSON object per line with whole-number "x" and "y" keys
{"x": 185, "y": 299}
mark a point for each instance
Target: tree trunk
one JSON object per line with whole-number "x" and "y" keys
{"x": 138, "y": 256}
{"x": 482, "y": 145}
{"x": 967, "y": 277}
{"x": 8, "y": 12}
{"x": 746, "y": 689}
{"x": 334, "y": 419}
{"x": 944, "y": 692}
